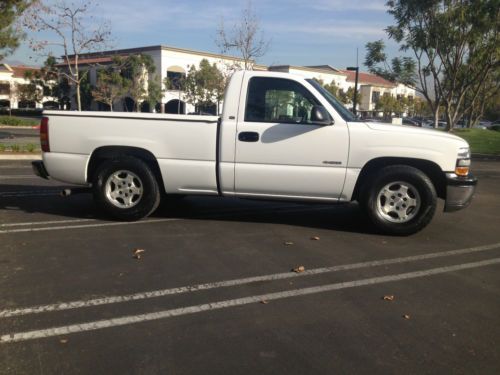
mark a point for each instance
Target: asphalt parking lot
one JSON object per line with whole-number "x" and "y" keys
{"x": 214, "y": 291}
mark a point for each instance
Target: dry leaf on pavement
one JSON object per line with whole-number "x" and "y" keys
{"x": 137, "y": 253}
{"x": 299, "y": 269}
{"x": 388, "y": 298}
{"x": 288, "y": 243}
{"x": 406, "y": 316}
{"x": 63, "y": 341}
{"x": 264, "y": 302}
{"x": 315, "y": 238}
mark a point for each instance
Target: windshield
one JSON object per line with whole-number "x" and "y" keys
{"x": 339, "y": 107}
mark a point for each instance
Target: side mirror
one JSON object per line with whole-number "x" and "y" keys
{"x": 320, "y": 116}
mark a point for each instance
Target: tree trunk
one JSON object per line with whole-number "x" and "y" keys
{"x": 111, "y": 106}
{"x": 78, "y": 97}
{"x": 436, "y": 117}
{"x": 449, "y": 121}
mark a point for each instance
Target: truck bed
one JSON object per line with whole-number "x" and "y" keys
{"x": 184, "y": 145}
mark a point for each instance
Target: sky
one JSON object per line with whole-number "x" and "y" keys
{"x": 302, "y": 32}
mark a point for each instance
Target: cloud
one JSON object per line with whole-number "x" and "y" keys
{"x": 342, "y": 5}
{"x": 336, "y": 5}
{"x": 297, "y": 27}
{"x": 125, "y": 17}
{"x": 340, "y": 29}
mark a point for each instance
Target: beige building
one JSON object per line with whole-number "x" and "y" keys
{"x": 12, "y": 78}
{"x": 170, "y": 62}
{"x": 174, "y": 63}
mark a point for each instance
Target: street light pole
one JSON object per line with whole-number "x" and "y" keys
{"x": 355, "y": 99}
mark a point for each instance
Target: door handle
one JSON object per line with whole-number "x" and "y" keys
{"x": 248, "y": 137}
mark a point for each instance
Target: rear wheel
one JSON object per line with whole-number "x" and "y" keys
{"x": 126, "y": 189}
{"x": 400, "y": 200}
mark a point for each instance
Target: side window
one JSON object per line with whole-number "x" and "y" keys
{"x": 278, "y": 100}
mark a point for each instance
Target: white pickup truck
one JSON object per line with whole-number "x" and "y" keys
{"x": 280, "y": 137}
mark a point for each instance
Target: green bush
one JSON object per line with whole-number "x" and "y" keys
{"x": 30, "y": 147}
{"x": 15, "y": 148}
{"x": 16, "y": 121}
{"x": 2, "y": 147}
{"x": 495, "y": 128}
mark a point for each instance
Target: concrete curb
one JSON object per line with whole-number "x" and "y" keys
{"x": 20, "y": 157}
{"x": 18, "y": 127}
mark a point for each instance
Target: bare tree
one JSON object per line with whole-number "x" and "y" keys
{"x": 246, "y": 37}
{"x": 76, "y": 33}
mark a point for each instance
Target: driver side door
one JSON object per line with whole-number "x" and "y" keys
{"x": 280, "y": 151}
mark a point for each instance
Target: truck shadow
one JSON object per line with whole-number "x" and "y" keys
{"x": 339, "y": 217}
{"x": 30, "y": 199}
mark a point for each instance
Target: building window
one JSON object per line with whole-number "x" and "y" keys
{"x": 375, "y": 97}
{"x": 175, "y": 77}
{"x": 4, "y": 103}
{"x": 4, "y": 88}
{"x": 50, "y": 105}
{"x": 27, "y": 104}
{"x": 209, "y": 109}
{"x": 175, "y": 106}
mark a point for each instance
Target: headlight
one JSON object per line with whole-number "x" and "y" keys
{"x": 463, "y": 161}
{"x": 464, "y": 153}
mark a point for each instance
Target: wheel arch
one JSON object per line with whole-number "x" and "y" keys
{"x": 100, "y": 154}
{"x": 431, "y": 169}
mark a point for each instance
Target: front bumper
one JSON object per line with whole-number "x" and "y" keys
{"x": 459, "y": 191}
{"x": 39, "y": 169}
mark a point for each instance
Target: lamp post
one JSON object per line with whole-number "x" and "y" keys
{"x": 355, "y": 99}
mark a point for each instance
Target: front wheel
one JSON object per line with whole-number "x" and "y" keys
{"x": 126, "y": 189}
{"x": 401, "y": 200}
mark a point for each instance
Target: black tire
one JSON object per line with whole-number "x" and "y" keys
{"x": 145, "y": 203}
{"x": 402, "y": 219}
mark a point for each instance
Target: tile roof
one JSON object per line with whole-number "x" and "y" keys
{"x": 20, "y": 70}
{"x": 368, "y": 79}
{"x": 90, "y": 60}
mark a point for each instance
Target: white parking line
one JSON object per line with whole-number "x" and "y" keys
{"x": 28, "y": 193}
{"x": 34, "y": 223}
{"x": 201, "y": 215}
{"x": 24, "y": 224}
{"x": 64, "y": 227}
{"x": 133, "y": 319}
{"x": 17, "y": 177}
{"x": 235, "y": 282}
{"x": 10, "y": 166}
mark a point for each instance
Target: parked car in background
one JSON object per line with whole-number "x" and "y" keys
{"x": 410, "y": 122}
{"x": 373, "y": 119}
